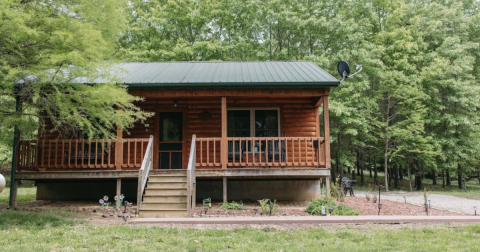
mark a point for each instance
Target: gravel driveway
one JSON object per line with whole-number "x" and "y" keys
{"x": 439, "y": 201}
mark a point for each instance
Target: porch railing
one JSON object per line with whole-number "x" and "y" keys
{"x": 191, "y": 185}
{"x": 80, "y": 154}
{"x": 147, "y": 165}
{"x": 272, "y": 152}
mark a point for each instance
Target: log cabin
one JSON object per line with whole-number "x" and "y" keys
{"x": 221, "y": 130}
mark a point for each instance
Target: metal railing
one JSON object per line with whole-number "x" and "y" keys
{"x": 147, "y": 165}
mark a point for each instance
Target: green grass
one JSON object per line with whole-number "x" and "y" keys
{"x": 24, "y": 194}
{"x": 26, "y": 232}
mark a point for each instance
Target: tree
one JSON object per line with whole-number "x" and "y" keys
{"x": 49, "y": 50}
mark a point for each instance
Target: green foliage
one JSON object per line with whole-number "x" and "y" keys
{"x": 334, "y": 192}
{"x": 233, "y": 206}
{"x": 47, "y": 50}
{"x": 344, "y": 210}
{"x": 265, "y": 205}
{"x": 24, "y": 194}
{"x": 315, "y": 207}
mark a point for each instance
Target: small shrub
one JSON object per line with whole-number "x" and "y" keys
{"x": 315, "y": 206}
{"x": 265, "y": 205}
{"x": 233, "y": 206}
{"x": 344, "y": 210}
{"x": 334, "y": 193}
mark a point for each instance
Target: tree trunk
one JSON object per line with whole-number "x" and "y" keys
{"x": 449, "y": 180}
{"x": 375, "y": 175}
{"x": 443, "y": 179}
{"x": 460, "y": 176}
{"x": 401, "y": 172}
{"x": 478, "y": 175}
{"x": 409, "y": 177}
{"x": 362, "y": 178}
{"x": 370, "y": 168}
{"x": 349, "y": 169}
{"x": 397, "y": 182}
{"x": 333, "y": 175}
{"x": 386, "y": 145}
{"x": 434, "y": 179}
{"x": 353, "y": 174}
{"x": 418, "y": 180}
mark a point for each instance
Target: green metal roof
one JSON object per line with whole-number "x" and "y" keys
{"x": 223, "y": 75}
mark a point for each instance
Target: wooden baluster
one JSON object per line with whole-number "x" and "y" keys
{"x": 128, "y": 155}
{"x": 273, "y": 152}
{"x": 253, "y": 150}
{"x": 102, "y": 149}
{"x": 214, "y": 152}
{"x": 266, "y": 151}
{"x": 208, "y": 151}
{"x": 299, "y": 152}
{"x": 201, "y": 152}
{"x": 35, "y": 160}
{"x": 143, "y": 152}
{"x": 260, "y": 151}
{"x": 135, "y": 153}
{"x": 76, "y": 153}
{"x": 286, "y": 151}
{"x": 89, "y": 153}
{"x": 28, "y": 154}
{"x": 306, "y": 152}
{"x": 109, "y": 152}
{"x": 233, "y": 150}
{"x": 83, "y": 151}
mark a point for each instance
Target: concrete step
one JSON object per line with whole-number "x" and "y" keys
{"x": 164, "y": 198}
{"x": 166, "y": 185}
{"x": 171, "y": 173}
{"x": 162, "y": 213}
{"x": 160, "y": 178}
{"x": 164, "y": 205}
{"x": 165, "y": 191}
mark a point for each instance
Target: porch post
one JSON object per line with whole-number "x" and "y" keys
{"x": 224, "y": 189}
{"x": 119, "y": 187}
{"x": 223, "y": 150}
{"x": 119, "y": 149}
{"x": 327, "y": 185}
{"x": 328, "y": 164}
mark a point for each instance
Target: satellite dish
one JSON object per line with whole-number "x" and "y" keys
{"x": 344, "y": 70}
{"x": 2, "y": 183}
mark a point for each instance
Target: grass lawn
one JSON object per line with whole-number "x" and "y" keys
{"x": 23, "y": 194}
{"x": 52, "y": 231}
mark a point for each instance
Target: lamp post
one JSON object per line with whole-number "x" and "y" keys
{"x": 475, "y": 209}
{"x": 379, "y": 202}
{"x": 14, "y": 154}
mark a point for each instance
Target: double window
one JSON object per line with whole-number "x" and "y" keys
{"x": 260, "y": 122}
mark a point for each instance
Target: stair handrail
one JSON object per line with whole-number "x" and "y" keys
{"x": 191, "y": 177}
{"x": 147, "y": 165}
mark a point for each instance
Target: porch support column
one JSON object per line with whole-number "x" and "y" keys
{"x": 119, "y": 149}
{"x": 320, "y": 186}
{"x": 224, "y": 189}
{"x": 223, "y": 150}
{"x": 119, "y": 186}
{"x": 328, "y": 164}
{"x": 327, "y": 185}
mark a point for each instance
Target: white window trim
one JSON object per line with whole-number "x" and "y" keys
{"x": 252, "y": 118}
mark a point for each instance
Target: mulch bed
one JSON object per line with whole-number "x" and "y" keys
{"x": 215, "y": 211}
{"x": 392, "y": 208}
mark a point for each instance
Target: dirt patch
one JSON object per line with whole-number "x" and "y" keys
{"x": 392, "y": 208}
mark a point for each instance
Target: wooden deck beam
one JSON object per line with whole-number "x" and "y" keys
{"x": 29, "y": 175}
{"x": 290, "y": 93}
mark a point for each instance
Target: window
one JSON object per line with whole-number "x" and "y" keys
{"x": 253, "y": 123}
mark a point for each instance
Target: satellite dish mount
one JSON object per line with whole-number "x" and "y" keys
{"x": 344, "y": 70}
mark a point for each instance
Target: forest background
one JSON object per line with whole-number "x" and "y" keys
{"x": 413, "y": 110}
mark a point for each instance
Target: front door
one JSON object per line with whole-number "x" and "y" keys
{"x": 170, "y": 140}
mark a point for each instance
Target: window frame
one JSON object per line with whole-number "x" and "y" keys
{"x": 252, "y": 118}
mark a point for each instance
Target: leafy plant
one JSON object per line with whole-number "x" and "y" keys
{"x": 265, "y": 205}
{"x": 344, "y": 210}
{"x": 233, "y": 206}
{"x": 315, "y": 206}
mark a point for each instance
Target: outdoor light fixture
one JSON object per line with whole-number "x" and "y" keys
{"x": 429, "y": 205}
{"x": 475, "y": 209}
{"x": 379, "y": 202}
{"x": 206, "y": 209}
{"x": 146, "y": 126}
{"x": 175, "y": 103}
{"x": 405, "y": 198}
